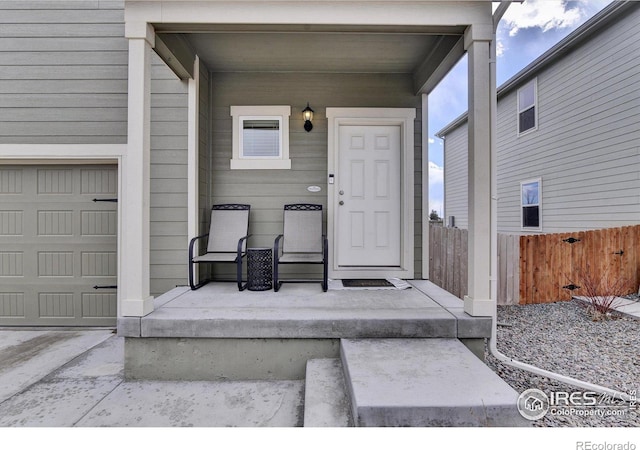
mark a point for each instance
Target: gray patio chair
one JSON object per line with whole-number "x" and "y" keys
{"x": 302, "y": 242}
{"x": 228, "y": 236}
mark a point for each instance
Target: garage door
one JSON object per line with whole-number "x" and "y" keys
{"x": 58, "y": 242}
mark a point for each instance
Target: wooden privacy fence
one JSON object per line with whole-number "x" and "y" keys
{"x": 448, "y": 259}
{"x": 553, "y": 266}
{"x": 540, "y": 268}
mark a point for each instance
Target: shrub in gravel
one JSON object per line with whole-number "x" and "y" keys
{"x": 600, "y": 291}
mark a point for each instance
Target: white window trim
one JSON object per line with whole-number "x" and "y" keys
{"x": 522, "y": 183}
{"x": 281, "y": 113}
{"x": 535, "y": 108}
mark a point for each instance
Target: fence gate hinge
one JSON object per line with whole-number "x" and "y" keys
{"x": 571, "y": 287}
{"x": 621, "y": 252}
{"x": 571, "y": 240}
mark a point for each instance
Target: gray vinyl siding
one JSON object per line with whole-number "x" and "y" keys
{"x": 586, "y": 149}
{"x": 63, "y": 72}
{"x": 63, "y": 80}
{"x": 169, "y": 209}
{"x": 587, "y": 146}
{"x": 456, "y": 175}
{"x": 269, "y": 190}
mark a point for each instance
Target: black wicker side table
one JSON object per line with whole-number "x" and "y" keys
{"x": 259, "y": 269}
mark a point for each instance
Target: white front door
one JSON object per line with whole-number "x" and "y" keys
{"x": 368, "y": 202}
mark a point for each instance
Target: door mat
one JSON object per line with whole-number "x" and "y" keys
{"x": 366, "y": 283}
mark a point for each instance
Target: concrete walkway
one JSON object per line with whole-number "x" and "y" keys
{"x": 620, "y": 304}
{"x": 75, "y": 379}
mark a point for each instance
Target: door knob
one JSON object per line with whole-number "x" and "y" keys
{"x": 341, "y": 203}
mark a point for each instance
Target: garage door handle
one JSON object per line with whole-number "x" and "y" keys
{"x": 105, "y": 287}
{"x": 113, "y": 200}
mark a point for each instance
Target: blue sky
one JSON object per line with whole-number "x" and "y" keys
{"x": 526, "y": 31}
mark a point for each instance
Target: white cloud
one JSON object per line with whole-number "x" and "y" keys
{"x": 544, "y": 14}
{"x": 436, "y": 187}
{"x": 436, "y": 174}
{"x": 432, "y": 141}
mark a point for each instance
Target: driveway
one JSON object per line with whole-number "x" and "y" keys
{"x": 75, "y": 378}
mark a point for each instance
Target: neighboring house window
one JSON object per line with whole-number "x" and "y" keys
{"x": 260, "y": 137}
{"x": 530, "y": 196}
{"x": 527, "y": 107}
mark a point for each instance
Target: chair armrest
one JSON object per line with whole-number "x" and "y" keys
{"x": 193, "y": 242}
{"x": 240, "y": 241}
{"x": 276, "y": 247}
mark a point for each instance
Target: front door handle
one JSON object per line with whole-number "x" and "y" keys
{"x": 341, "y": 203}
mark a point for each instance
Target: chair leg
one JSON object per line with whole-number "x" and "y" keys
{"x": 241, "y": 287}
{"x": 325, "y": 263}
{"x": 276, "y": 285}
{"x": 325, "y": 278}
{"x": 192, "y": 285}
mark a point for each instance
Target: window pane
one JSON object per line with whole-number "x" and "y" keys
{"x": 527, "y": 119}
{"x": 530, "y": 193}
{"x": 260, "y": 138}
{"x": 531, "y": 216}
{"x": 526, "y": 97}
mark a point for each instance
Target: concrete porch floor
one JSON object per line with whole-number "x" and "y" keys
{"x": 303, "y": 311}
{"x": 219, "y": 333}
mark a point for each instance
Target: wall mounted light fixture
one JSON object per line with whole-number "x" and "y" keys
{"x": 307, "y": 115}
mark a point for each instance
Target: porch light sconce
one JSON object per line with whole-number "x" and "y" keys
{"x": 307, "y": 115}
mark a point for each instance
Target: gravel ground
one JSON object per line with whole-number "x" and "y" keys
{"x": 561, "y": 337}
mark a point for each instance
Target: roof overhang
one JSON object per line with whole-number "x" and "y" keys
{"x": 423, "y": 39}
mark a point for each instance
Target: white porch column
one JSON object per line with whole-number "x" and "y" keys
{"x": 133, "y": 284}
{"x": 426, "y": 210}
{"x": 478, "y": 302}
{"x": 193, "y": 142}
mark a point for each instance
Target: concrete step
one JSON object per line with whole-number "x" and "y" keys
{"x": 424, "y": 382}
{"x": 326, "y": 403}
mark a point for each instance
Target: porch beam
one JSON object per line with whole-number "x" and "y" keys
{"x": 175, "y": 51}
{"x": 427, "y": 76}
{"x": 133, "y": 285}
{"x": 478, "y": 302}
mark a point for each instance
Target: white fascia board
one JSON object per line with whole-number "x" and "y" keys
{"x": 62, "y": 152}
{"x": 389, "y": 12}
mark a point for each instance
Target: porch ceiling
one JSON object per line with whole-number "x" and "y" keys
{"x": 419, "y": 51}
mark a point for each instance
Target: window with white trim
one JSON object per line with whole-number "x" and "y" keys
{"x": 530, "y": 204}
{"x": 260, "y": 137}
{"x": 528, "y": 107}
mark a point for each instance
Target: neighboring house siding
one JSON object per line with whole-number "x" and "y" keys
{"x": 63, "y": 80}
{"x": 168, "y": 179}
{"x": 63, "y": 72}
{"x": 455, "y": 177}
{"x": 587, "y": 146}
{"x": 269, "y": 190}
{"x": 586, "y": 149}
